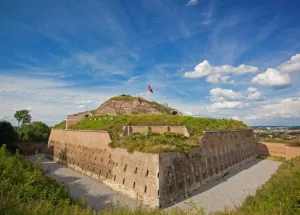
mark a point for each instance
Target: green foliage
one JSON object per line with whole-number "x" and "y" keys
{"x": 195, "y": 125}
{"x": 8, "y": 135}
{"x": 22, "y": 116}
{"x": 36, "y": 132}
{"x": 280, "y": 195}
{"x": 155, "y": 142}
{"x": 61, "y": 125}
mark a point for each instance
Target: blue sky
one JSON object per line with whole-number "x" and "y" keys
{"x": 237, "y": 59}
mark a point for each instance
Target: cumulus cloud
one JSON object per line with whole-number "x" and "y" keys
{"x": 254, "y": 94}
{"x": 229, "y": 99}
{"x": 286, "y": 108}
{"x": 272, "y": 78}
{"x": 292, "y": 65}
{"x": 221, "y": 95}
{"x": 279, "y": 78}
{"x": 218, "y": 78}
{"x": 227, "y": 105}
{"x": 217, "y": 74}
{"x": 192, "y": 2}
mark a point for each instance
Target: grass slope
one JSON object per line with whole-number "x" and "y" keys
{"x": 26, "y": 190}
{"x": 156, "y": 143}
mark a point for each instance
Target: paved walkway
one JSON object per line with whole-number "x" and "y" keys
{"x": 232, "y": 190}
{"x": 228, "y": 192}
{"x": 96, "y": 193}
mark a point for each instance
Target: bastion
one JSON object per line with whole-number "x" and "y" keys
{"x": 154, "y": 179}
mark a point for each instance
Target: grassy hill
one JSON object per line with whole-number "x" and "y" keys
{"x": 26, "y": 190}
{"x": 156, "y": 143}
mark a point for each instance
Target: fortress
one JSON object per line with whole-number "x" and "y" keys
{"x": 156, "y": 180}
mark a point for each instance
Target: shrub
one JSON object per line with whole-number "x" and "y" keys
{"x": 8, "y": 135}
{"x": 36, "y": 132}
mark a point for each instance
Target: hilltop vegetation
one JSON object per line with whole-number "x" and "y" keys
{"x": 156, "y": 143}
{"x": 26, "y": 190}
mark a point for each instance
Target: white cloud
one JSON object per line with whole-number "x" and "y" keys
{"x": 84, "y": 102}
{"x": 216, "y": 74}
{"x": 192, "y": 2}
{"x": 81, "y": 106}
{"x": 236, "y": 118}
{"x": 272, "y": 78}
{"x": 50, "y": 99}
{"x": 285, "y": 108}
{"x": 292, "y": 65}
{"x": 278, "y": 78}
{"x": 227, "y": 105}
{"x": 221, "y": 95}
{"x": 218, "y": 78}
{"x": 254, "y": 94}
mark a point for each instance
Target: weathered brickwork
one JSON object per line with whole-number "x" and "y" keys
{"x": 156, "y": 180}
{"x": 133, "y": 174}
{"x": 183, "y": 174}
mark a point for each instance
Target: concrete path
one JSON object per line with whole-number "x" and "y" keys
{"x": 228, "y": 192}
{"x": 232, "y": 190}
{"x": 96, "y": 193}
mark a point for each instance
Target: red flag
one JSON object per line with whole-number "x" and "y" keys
{"x": 150, "y": 88}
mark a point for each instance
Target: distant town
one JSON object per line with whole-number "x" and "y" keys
{"x": 280, "y": 134}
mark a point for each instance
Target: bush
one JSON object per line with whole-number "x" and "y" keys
{"x": 36, "y": 132}
{"x": 8, "y": 135}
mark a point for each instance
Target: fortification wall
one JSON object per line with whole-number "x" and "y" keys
{"x": 278, "y": 150}
{"x": 127, "y": 130}
{"x": 219, "y": 152}
{"x": 133, "y": 174}
{"x": 30, "y": 148}
{"x": 156, "y": 180}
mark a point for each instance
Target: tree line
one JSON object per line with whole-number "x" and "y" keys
{"x": 26, "y": 131}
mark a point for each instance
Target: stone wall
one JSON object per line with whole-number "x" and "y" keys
{"x": 133, "y": 174}
{"x": 75, "y": 118}
{"x": 278, "y": 150}
{"x": 127, "y": 130}
{"x": 219, "y": 152}
{"x": 30, "y": 148}
{"x": 156, "y": 180}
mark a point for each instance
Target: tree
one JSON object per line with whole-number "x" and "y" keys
{"x": 8, "y": 135}
{"x": 36, "y": 132}
{"x": 22, "y": 116}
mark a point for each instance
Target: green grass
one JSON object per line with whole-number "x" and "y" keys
{"x": 155, "y": 142}
{"x": 26, "y": 190}
{"x": 195, "y": 126}
{"x": 61, "y": 125}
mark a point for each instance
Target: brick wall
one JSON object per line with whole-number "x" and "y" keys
{"x": 133, "y": 174}
{"x": 219, "y": 152}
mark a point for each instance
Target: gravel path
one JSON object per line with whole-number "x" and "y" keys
{"x": 97, "y": 194}
{"x": 234, "y": 188}
{"x": 228, "y": 192}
